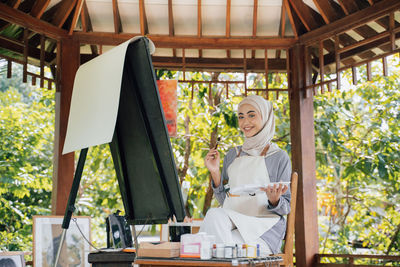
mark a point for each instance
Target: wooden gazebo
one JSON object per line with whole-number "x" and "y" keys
{"x": 312, "y": 41}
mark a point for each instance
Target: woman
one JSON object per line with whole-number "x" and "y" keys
{"x": 255, "y": 218}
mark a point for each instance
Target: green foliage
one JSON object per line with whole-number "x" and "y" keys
{"x": 357, "y": 142}
{"x": 26, "y": 133}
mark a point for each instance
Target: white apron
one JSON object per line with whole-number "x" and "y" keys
{"x": 249, "y": 213}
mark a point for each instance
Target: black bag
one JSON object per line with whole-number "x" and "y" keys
{"x": 118, "y": 232}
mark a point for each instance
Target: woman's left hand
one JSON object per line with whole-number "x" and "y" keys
{"x": 274, "y": 192}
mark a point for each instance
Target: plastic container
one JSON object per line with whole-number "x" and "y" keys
{"x": 205, "y": 250}
{"x": 220, "y": 251}
{"x": 228, "y": 251}
{"x": 251, "y": 251}
{"x": 214, "y": 251}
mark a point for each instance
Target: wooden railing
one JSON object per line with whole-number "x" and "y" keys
{"x": 347, "y": 260}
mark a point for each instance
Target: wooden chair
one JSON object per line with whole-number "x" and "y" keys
{"x": 287, "y": 254}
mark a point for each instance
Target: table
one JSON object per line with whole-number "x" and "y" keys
{"x": 189, "y": 262}
{"x": 111, "y": 259}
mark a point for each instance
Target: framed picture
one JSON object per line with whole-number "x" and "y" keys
{"x": 47, "y": 232}
{"x": 12, "y": 259}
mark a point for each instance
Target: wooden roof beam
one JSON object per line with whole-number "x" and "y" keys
{"x": 306, "y": 14}
{"x": 117, "y": 17}
{"x": 348, "y": 6}
{"x": 352, "y": 21}
{"x": 18, "y": 48}
{"x": 328, "y": 10}
{"x": 193, "y": 42}
{"x": 144, "y": 28}
{"x": 255, "y": 12}
{"x": 20, "y": 18}
{"x": 170, "y": 19}
{"x": 282, "y": 28}
{"x": 199, "y": 24}
{"x": 14, "y": 4}
{"x": 77, "y": 11}
{"x": 63, "y": 12}
{"x": 87, "y": 25}
{"x": 257, "y": 64}
{"x": 39, "y": 7}
{"x": 228, "y": 25}
{"x": 295, "y": 26}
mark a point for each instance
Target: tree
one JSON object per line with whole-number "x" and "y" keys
{"x": 26, "y": 133}
{"x": 358, "y": 164}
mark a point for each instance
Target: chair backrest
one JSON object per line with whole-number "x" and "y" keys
{"x": 287, "y": 255}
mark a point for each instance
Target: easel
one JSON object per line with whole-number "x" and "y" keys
{"x": 71, "y": 203}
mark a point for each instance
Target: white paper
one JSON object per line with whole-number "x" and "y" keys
{"x": 95, "y": 99}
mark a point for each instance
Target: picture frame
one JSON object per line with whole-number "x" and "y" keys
{"x": 47, "y": 232}
{"x": 12, "y": 258}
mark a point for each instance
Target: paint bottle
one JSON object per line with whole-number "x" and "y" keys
{"x": 214, "y": 251}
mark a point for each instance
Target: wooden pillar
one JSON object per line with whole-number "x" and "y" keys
{"x": 63, "y": 172}
{"x": 303, "y": 158}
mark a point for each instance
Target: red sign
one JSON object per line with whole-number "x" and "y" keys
{"x": 169, "y": 99}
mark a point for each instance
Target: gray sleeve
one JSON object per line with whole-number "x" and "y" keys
{"x": 219, "y": 191}
{"x": 280, "y": 170}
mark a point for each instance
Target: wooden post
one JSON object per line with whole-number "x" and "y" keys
{"x": 63, "y": 173}
{"x": 303, "y": 158}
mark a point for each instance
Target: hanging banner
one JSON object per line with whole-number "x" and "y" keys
{"x": 169, "y": 99}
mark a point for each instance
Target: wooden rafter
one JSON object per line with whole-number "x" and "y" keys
{"x": 77, "y": 11}
{"x": 327, "y": 10}
{"x": 285, "y": 3}
{"x": 348, "y": 6}
{"x": 85, "y": 19}
{"x": 63, "y": 12}
{"x": 171, "y": 27}
{"x": 39, "y": 7}
{"x": 293, "y": 18}
{"x": 351, "y": 21}
{"x": 117, "y": 17}
{"x": 228, "y": 25}
{"x": 282, "y": 28}
{"x": 199, "y": 24}
{"x": 22, "y": 19}
{"x": 144, "y": 29}
{"x": 15, "y": 3}
{"x": 87, "y": 25}
{"x": 255, "y": 11}
{"x": 306, "y": 14}
{"x": 17, "y": 47}
{"x": 188, "y": 42}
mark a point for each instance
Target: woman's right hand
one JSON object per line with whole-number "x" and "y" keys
{"x": 211, "y": 161}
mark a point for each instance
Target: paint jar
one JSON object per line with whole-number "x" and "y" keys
{"x": 220, "y": 251}
{"x": 205, "y": 250}
{"x": 251, "y": 251}
{"x": 228, "y": 251}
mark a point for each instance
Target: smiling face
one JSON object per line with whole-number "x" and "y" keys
{"x": 250, "y": 121}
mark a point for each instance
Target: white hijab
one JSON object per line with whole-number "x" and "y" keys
{"x": 254, "y": 145}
